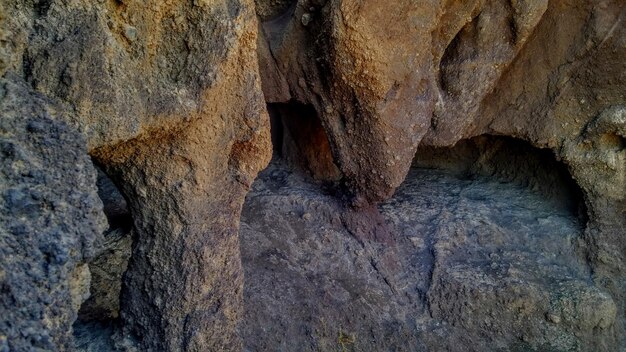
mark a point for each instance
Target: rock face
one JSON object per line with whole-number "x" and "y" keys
{"x": 50, "y": 217}
{"x": 437, "y": 72}
{"x": 169, "y": 98}
{"x": 385, "y": 79}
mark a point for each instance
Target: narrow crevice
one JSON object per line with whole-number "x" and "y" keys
{"x": 42, "y": 7}
{"x": 98, "y": 316}
{"x": 115, "y": 204}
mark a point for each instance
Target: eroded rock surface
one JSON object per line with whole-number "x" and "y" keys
{"x": 49, "y": 220}
{"x": 166, "y": 97}
{"x": 478, "y": 257}
{"x": 387, "y": 79}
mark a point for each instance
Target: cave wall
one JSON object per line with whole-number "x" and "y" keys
{"x": 50, "y": 219}
{"x": 167, "y": 97}
{"x": 387, "y": 79}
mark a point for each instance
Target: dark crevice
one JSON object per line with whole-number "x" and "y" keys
{"x": 277, "y": 129}
{"x": 115, "y": 205}
{"x": 300, "y": 140}
{"x": 512, "y": 161}
{"x": 99, "y": 314}
{"x": 513, "y": 30}
{"x": 42, "y": 7}
{"x": 27, "y": 69}
{"x": 512, "y": 23}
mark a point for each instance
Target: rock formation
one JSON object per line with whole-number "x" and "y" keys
{"x": 51, "y": 216}
{"x": 171, "y": 99}
{"x": 167, "y": 96}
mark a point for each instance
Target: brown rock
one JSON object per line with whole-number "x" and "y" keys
{"x": 167, "y": 97}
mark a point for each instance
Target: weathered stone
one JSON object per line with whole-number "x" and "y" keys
{"x": 479, "y": 249}
{"x": 166, "y": 96}
{"x": 385, "y": 79}
{"x": 50, "y": 218}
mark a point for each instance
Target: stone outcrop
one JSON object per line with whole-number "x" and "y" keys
{"x": 169, "y": 98}
{"x": 385, "y": 79}
{"x": 49, "y": 220}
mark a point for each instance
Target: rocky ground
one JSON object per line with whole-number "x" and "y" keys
{"x": 480, "y": 249}
{"x": 470, "y": 264}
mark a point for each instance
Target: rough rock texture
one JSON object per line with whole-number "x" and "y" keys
{"x": 182, "y": 290}
{"x": 49, "y": 219}
{"x": 166, "y": 96}
{"x": 268, "y": 9}
{"x": 385, "y": 79}
{"x": 479, "y": 257}
{"x": 128, "y": 67}
{"x": 186, "y": 180}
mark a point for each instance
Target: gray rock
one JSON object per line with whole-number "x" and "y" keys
{"x": 476, "y": 252}
{"x": 50, "y": 218}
